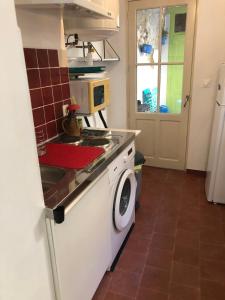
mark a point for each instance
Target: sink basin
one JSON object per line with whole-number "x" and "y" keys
{"x": 50, "y": 176}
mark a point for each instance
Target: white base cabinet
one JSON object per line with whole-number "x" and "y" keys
{"x": 80, "y": 246}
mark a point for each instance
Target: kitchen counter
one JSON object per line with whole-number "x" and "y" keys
{"x": 64, "y": 192}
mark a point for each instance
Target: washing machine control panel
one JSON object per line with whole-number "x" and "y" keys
{"x": 124, "y": 161}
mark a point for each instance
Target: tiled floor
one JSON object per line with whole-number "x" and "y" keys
{"x": 177, "y": 248}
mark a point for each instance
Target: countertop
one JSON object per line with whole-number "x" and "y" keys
{"x": 64, "y": 192}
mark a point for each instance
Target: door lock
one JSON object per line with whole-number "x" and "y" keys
{"x": 188, "y": 98}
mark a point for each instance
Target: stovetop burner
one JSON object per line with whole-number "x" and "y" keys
{"x": 91, "y": 138}
{"x": 95, "y": 142}
{"x": 94, "y": 133}
{"x": 69, "y": 139}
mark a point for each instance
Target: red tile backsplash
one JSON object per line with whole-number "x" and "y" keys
{"x": 47, "y": 95}
{"x": 58, "y": 110}
{"x": 45, "y": 77}
{"x": 39, "y": 116}
{"x": 33, "y": 78}
{"x": 36, "y": 98}
{"x": 57, "y": 93}
{"x": 53, "y": 58}
{"x": 51, "y": 129}
{"x": 64, "y": 75}
{"x": 55, "y": 76}
{"x": 49, "y": 90}
{"x": 49, "y": 113}
{"x": 42, "y": 56}
{"x": 65, "y": 91}
{"x": 30, "y": 58}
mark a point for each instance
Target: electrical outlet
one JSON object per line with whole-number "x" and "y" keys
{"x": 64, "y": 109}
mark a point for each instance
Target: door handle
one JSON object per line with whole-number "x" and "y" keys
{"x": 188, "y": 98}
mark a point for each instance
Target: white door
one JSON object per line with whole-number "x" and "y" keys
{"x": 161, "y": 34}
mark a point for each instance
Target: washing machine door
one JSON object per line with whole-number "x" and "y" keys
{"x": 124, "y": 200}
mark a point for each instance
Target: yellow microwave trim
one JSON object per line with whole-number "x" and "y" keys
{"x": 92, "y": 85}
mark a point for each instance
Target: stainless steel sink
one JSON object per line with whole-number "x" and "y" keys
{"x": 50, "y": 176}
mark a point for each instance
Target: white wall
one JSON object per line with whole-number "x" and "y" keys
{"x": 209, "y": 54}
{"x": 39, "y": 30}
{"x": 118, "y": 110}
{"x": 24, "y": 262}
{"x": 116, "y": 114}
{"x": 42, "y": 29}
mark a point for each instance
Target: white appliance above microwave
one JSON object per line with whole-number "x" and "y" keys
{"x": 72, "y": 8}
{"x": 92, "y": 29}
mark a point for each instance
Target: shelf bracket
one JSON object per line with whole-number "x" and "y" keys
{"x": 106, "y": 43}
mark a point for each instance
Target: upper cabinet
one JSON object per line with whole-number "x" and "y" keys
{"x": 92, "y": 29}
{"x": 72, "y": 8}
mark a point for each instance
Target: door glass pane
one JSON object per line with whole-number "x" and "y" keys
{"x": 171, "y": 89}
{"x": 147, "y": 88}
{"x": 148, "y": 28}
{"x": 173, "y": 33}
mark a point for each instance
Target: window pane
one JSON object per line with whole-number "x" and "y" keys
{"x": 173, "y": 33}
{"x": 147, "y": 91}
{"x": 171, "y": 89}
{"x": 148, "y": 27}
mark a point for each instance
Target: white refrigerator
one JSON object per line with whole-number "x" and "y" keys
{"x": 215, "y": 180}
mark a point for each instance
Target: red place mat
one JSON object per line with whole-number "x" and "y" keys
{"x": 70, "y": 156}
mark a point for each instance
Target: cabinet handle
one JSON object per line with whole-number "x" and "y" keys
{"x": 59, "y": 214}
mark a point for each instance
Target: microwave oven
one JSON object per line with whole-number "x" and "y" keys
{"x": 91, "y": 94}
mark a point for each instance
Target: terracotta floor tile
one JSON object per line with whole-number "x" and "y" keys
{"x": 189, "y": 225}
{"x": 185, "y": 275}
{"x": 171, "y": 195}
{"x": 186, "y": 255}
{"x": 145, "y": 215}
{"x": 211, "y": 290}
{"x": 170, "y": 215}
{"x": 142, "y": 230}
{"x": 155, "y": 279}
{"x": 124, "y": 283}
{"x": 212, "y": 252}
{"x": 207, "y": 220}
{"x": 168, "y": 210}
{"x": 212, "y": 270}
{"x": 160, "y": 258}
{"x": 175, "y": 177}
{"x": 187, "y": 238}
{"x": 112, "y": 296}
{"x": 131, "y": 261}
{"x": 138, "y": 245}
{"x": 166, "y": 226}
{"x": 148, "y": 294}
{"x": 150, "y": 203}
{"x": 103, "y": 287}
{"x": 212, "y": 235}
{"x": 174, "y": 227}
{"x": 163, "y": 242}
{"x": 192, "y": 215}
{"x": 179, "y": 292}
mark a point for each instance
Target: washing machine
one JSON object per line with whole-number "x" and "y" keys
{"x": 122, "y": 200}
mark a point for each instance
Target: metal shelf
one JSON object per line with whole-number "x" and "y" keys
{"x": 85, "y": 45}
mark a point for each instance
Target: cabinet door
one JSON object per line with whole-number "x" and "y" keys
{"x": 82, "y": 244}
{"x": 113, "y": 7}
